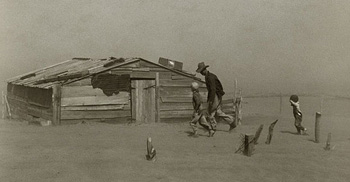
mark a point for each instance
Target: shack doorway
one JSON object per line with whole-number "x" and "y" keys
{"x": 143, "y": 101}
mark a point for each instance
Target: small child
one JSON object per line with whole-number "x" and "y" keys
{"x": 294, "y": 101}
{"x": 199, "y": 114}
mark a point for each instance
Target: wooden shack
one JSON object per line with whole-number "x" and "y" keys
{"x": 106, "y": 90}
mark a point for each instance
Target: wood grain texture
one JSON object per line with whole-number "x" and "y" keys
{"x": 94, "y": 114}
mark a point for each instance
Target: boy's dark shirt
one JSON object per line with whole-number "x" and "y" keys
{"x": 214, "y": 86}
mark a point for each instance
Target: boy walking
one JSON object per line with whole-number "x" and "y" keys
{"x": 298, "y": 116}
{"x": 199, "y": 115}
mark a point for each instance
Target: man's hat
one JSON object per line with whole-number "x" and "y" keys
{"x": 201, "y": 67}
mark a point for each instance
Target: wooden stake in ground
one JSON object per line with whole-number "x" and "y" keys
{"x": 328, "y": 143}
{"x": 151, "y": 152}
{"x": 257, "y": 134}
{"x": 269, "y": 136}
{"x": 317, "y": 127}
{"x": 248, "y": 145}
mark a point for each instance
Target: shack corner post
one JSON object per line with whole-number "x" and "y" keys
{"x": 56, "y": 104}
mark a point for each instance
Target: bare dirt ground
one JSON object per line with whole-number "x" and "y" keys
{"x": 106, "y": 152}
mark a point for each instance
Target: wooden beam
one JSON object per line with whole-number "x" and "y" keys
{"x": 56, "y": 104}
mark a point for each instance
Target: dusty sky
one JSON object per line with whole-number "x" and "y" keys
{"x": 268, "y": 45}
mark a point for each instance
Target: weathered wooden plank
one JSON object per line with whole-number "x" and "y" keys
{"x": 44, "y": 114}
{"x": 164, "y": 75}
{"x": 119, "y": 72}
{"x": 143, "y": 75}
{"x": 160, "y": 69}
{"x": 84, "y": 91}
{"x": 17, "y": 104}
{"x": 180, "y": 77}
{"x": 131, "y": 65}
{"x": 141, "y": 69}
{"x": 92, "y": 100}
{"x": 94, "y": 114}
{"x": 170, "y": 91}
{"x": 147, "y": 65}
{"x": 95, "y": 108}
{"x": 121, "y": 69}
{"x": 80, "y": 91}
{"x": 42, "y": 74}
{"x": 121, "y": 120}
{"x": 16, "y": 99}
{"x": 176, "y": 99}
{"x": 38, "y": 70}
{"x": 176, "y": 106}
{"x": 180, "y": 83}
{"x": 176, "y": 114}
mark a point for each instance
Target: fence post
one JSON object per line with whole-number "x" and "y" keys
{"x": 248, "y": 145}
{"x": 317, "y": 127}
{"x": 269, "y": 136}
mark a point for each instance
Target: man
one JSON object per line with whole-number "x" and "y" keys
{"x": 215, "y": 93}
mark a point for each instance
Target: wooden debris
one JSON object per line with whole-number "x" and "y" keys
{"x": 269, "y": 136}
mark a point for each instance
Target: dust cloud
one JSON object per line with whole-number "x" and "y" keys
{"x": 267, "y": 45}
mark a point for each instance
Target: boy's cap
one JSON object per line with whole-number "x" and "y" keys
{"x": 294, "y": 98}
{"x": 194, "y": 85}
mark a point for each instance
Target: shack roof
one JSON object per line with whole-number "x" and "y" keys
{"x": 76, "y": 69}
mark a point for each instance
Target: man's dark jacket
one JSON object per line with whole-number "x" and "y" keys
{"x": 214, "y": 87}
